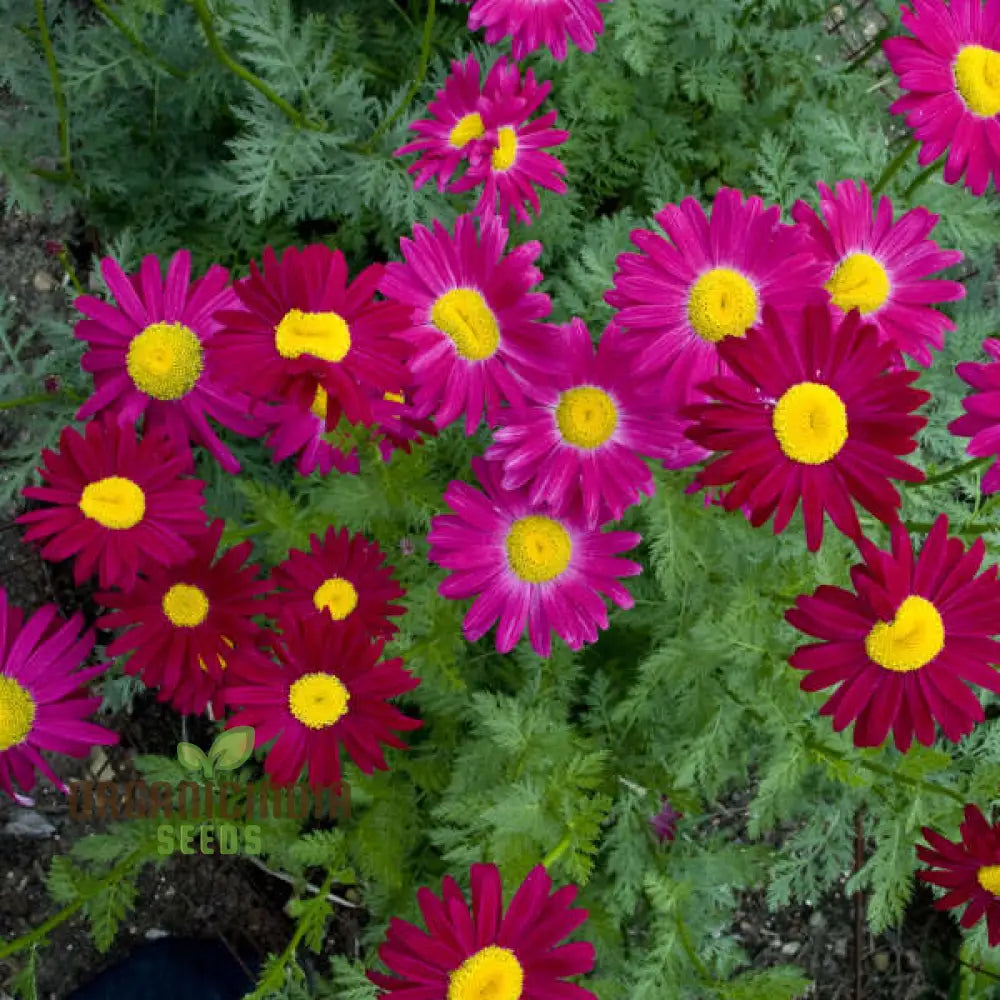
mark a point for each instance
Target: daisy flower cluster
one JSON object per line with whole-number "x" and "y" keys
{"x": 775, "y": 357}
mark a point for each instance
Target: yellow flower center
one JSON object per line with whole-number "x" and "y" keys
{"x": 463, "y": 315}
{"x": 337, "y": 596}
{"x": 17, "y": 713}
{"x": 859, "y": 282}
{"x": 506, "y": 149}
{"x": 466, "y": 129}
{"x": 586, "y": 416}
{"x": 989, "y": 878}
{"x": 911, "y": 640}
{"x": 977, "y": 77}
{"x": 318, "y": 700}
{"x": 491, "y": 974}
{"x": 185, "y": 605}
{"x": 325, "y": 335}
{"x": 810, "y": 423}
{"x": 165, "y": 360}
{"x": 394, "y": 397}
{"x": 113, "y": 502}
{"x": 319, "y": 404}
{"x": 722, "y": 303}
{"x": 538, "y": 548}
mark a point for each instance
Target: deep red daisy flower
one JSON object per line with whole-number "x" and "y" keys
{"x": 188, "y": 620}
{"x": 981, "y": 420}
{"x": 810, "y": 412}
{"x": 116, "y": 503}
{"x": 900, "y": 647}
{"x": 342, "y": 578}
{"x": 44, "y": 702}
{"x": 326, "y": 691}
{"x": 536, "y": 24}
{"x": 969, "y": 868}
{"x": 949, "y": 72}
{"x": 150, "y": 356}
{"x": 882, "y": 267}
{"x": 303, "y": 324}
{"x": 399, "y": 423}
{"x": 473, "y": 950}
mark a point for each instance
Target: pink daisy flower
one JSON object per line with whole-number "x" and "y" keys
{"x": 707, "y": 282}
{"x": 536, "y": 24}
{"x": 578, "y": 447}
{"x": 981, "y": 420}
{"x": 882, "y": 268}
{"x": 150, "y": 356}
{"x": 297, "y": 426}
{"x": 949, "y": 71}
{"x": 302, "y": 323}
{"x": 516, "y": 160}
{"x": 474, "y": 321}
{"x": 525, "y": 567}
{"x": 183, "y": 622}
{"x": 116, "y": 503}
{"x": 399, "y": 424}
{"x": 454, "y": 131}
{"x": 43, "y": 698}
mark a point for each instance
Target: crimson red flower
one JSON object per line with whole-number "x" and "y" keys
{"x": 188, "y": 621}
{"x": 343, "y": 578}
{"x": 981, "y": 420}
{"x": 303, "y": 324}
{"x": 901, "y": 646}
{"x": 326, "y": 691}
{"x": 115, "y": 502}
{"x": 809, "y": 411}
{"x": 969, "y": 869}
{"x": 473, "y": 950}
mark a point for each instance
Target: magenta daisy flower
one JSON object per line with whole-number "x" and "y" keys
{"x": 981, "y": 420}
{"x": 949, "y": 71}
{"x": 399, "y": 424}
{"x": 43, "y": 698}
{"x": 536, "y": 24}
{"x": 302, "y": 323}
{"x": 902, "y": 648}
{"x": 664, "y": 823}
{"x": 342, "y": 578}
{"x": 969, "y": 869}
{"x": 150, "y": 356}
{"x": 298, "y": 426}
{"x": 475, "y": 949}
{"x": 525, "y": 567}
{"x": 327, "y": 691}
{"x": 184, "y": 622}
{"x": 708, "y": 283}
{"x": 810, "y": 411}
{"x": 578, "y": 447}
{"x": 516, "y": 161}
{"x": 454, "y": 131}
{"x": 474, "y": 321}
{"x": 116, "y": 503}
{"x": 882, "y": 268}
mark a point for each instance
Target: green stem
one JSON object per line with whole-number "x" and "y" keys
{"x": 40, "y": 932}
{"x": 887, "y": 772}
{"x": 137, "y": 43}
{"x": 70, "y": 271}
{"x": 425, "y": 58}
{"x": 868, "y": 51}
{"x": 955, "y": 470}
{"x": 205, "y": 19}
{"x": 557, "y": 852}
{"x": 57, "y": 92}
{"x": 894, "y": 166}
{"x": 924, "y": 174}
{"x": 685, "y": 937}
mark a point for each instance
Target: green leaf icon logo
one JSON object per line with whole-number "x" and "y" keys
{"x": 232, "y": 748}
{"x": 192, "y": 758}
